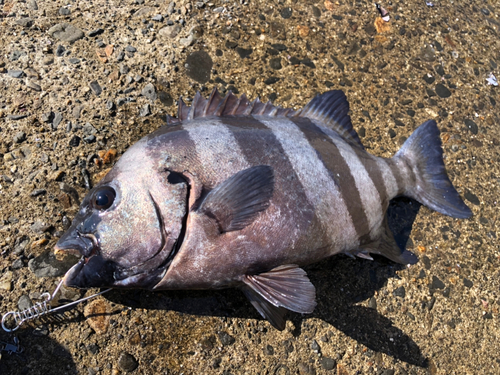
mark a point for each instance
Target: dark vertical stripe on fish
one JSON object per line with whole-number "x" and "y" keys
{"x": 340, "y": 172}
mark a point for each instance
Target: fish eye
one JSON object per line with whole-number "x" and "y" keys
{"x": 103, "y": 198}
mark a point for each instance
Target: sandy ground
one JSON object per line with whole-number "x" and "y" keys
{"x": 65, "y": 105}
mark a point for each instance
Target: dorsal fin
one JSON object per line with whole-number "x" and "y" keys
{"x": 332, "y": 109}
{"x": 229, "y": 105}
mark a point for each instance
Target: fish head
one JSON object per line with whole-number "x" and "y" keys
{"x": 127, "y": 229}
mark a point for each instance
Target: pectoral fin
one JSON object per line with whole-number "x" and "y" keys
{"x": 284, "y": 287}
{"x": 236, "y": 202}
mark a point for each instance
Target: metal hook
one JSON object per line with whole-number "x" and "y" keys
{"x": 40, "y": 309}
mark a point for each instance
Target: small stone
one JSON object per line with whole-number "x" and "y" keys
{"x": 110, "y": 105}
{"x": 471, "y": 197}
{"x": 305, "y": 369}
{"x": 442, "y": 91}
{"x": 400, "y": 292}
{"x": 6, "y": 280}
{"x": 130, "y": 49}
{"x": 47, "y": 265}
{"x": 20, "y": 137}
{"x": 95, "y": 32}
{"x": 96, "y": 88}
{"x": 57, "y": 120}
{"x": 268, "y": 350}
{"x": 34, "y": 86}
{"x": 243, "y": 52}
{"x": 74, "y": 61}
{"x": 437, "y": 283}
{"x": 60, "y": 50}
{"x": 120, "y": 56}
{"x": 97, "y": 314}
{"x": 66, "y": 32}
{"x": 157, "y": 18}
{"x": 471, "y": 125}
{"x": 303, "y": 31}
{"x": 275, "y": 63}
{"x": 15, "y": 73}
{"x": 38, "y": 192}
{"x": 48, "y": 60}
{"x": 225, "y": 338}
{"x": 149, "y": 91}
{"x": 429, "y": 78}
{"x": 327, "y": 363}
{"x": 25, "y": 22}
{"x": 145, "y": 110}
{"x": 286, "y": 12}
{"x": 372, "y": 303}
{"x": 90, "y": 139}
{"x": 127, "y": 362}
{"x": 64, "y": 11}
{"x": 170, "y": 31}
{"x": 198, "y": 66}
{"x": 39, "y": 243}
{"x": 271, "y": 80}
{"x": 124, "y": 69}
{"x": 32, "y": 5}
{"x": 315, "y": 346}
{"x": 77, "y": 111}
{"x": 75, "y": 141}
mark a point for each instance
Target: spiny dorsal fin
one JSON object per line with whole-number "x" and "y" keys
{"x": 229, "y": 105}
{"x": 332, "y": 109}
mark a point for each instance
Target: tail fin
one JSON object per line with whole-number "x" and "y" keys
{"x": 423, "y": 153}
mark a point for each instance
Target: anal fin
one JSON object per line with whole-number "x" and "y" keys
{"x": 386, "y": 245}
{"x": 283, "y": 287}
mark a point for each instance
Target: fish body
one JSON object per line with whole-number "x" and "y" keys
{"x": 242, "y": 194}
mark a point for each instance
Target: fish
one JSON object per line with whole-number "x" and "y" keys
{"x": 244, "y": 194}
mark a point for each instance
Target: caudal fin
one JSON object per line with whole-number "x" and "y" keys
{"x": 424, "y": 154}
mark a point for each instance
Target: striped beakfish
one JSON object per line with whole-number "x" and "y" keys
{"x": 234, "y": 193}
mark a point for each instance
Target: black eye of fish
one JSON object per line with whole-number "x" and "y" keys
{"x": 103, "y": 198}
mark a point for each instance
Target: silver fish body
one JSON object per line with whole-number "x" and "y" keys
{"x": 239, "y": 193}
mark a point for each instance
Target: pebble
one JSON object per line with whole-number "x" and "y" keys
{"x": 57, "y": 120}
{"x": 286, "y": 12}
{"x": 97, "y": 313}
{"x": 327, "y": 363}
{"x": 429, "y": 78}
{"x": 315, "y": 346}
{"x": 60, "y": 50}
{"x": 225, "y": 338}
{"x": 127, "y": 362}
{"x": 130, "y": 49}
{"x": 471, "y": 125}
{"x": 16, "y": 117}
{"x": 77, "y": 111}
{"x": 124, "y": 69}
{"x": 428, "y": 54}
{"x": 471, "y": 198}
{"x": 66, "y": 32}
{"x": 437, "y": 283}
{"x": 95, "y": 32}
{"x": 157, "y": 18}
{"x": 38, "y": 192}
{"x": 74, "y": 61}
{"x": 170, "y": 31}
{"x": 96, "y": 88}
{"x": 145, "y": 110}
{"x": 198, "y": 66}
{"x": 305, "y": 369}
{"x": 47, "y": 265}
{"x": 271, "y": 80}
{"x": 6, "y": 280}
{"x": 149, "y": 91}
{"x": 24, "y": 302}
{"x": 15, "y": 55}
{"x": 15, "y": 73}
{"x": 110, "y": 105}
{"x": 34, "y": 86}
{"x": 442, "y": 91}
{"x": 400, "y": 292}
{"x": 20, "y": 137}
{"x": 243, "y": 52}
{"x": 275, "y": 63}
{"x": 25, "y": 22}
{"x": 32, "y": 5}
{"x": 75, "y": 141}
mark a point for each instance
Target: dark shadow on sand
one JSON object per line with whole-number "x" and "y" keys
{"x": 341, "y": 283}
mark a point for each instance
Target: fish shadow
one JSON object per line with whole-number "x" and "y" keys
{"x": 341, "y": 284}
{"x": 40, "y": 354}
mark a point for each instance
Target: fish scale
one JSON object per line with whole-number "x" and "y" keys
{"x": 234, "y": 193}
